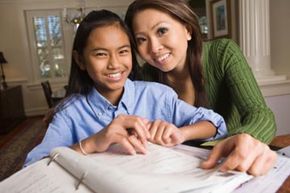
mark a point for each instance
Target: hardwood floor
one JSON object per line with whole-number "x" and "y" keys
{"x": 6, "y": 137}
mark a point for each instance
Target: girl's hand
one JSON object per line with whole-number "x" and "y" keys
{"x": 165, "y": 133}
{"x": 127, "y": 130}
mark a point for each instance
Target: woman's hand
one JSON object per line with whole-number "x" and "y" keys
{"x": 244, "y": 153}
{"x": 164, "y": 133}
{"x": 127, "y": 130}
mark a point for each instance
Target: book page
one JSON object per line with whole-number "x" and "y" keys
{"x": 160, "y": 170}
{"x": 263, "y": 184}
{"x": 270, "y": 182}
{"x": 41, "y": 178}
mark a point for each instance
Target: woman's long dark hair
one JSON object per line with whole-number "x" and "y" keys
{"x": 180, "y": 11}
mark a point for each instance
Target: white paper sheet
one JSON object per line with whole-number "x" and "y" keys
{"x": 269, "y": 183}
{"x": 161, "y": 170}
{"x": 40, "y": 178}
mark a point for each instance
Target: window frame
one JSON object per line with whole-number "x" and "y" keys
{"x": 66, "y": 36}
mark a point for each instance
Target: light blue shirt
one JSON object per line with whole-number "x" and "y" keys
{"x": 84, "y": 116}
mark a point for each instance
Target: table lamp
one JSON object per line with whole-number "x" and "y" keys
{"x": 3, "y": 61}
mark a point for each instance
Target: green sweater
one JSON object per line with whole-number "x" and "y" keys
{"x": 233, "y": 92}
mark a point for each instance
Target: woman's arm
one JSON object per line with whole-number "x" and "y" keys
{"x": 255, "y": 117}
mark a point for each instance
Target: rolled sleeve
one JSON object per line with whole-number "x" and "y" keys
{"x": 217, "y": 120}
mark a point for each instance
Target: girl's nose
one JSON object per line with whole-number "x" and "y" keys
{"x": 113, "y": 61}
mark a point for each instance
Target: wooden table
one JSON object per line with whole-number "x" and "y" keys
{"x": 283, "y": 141}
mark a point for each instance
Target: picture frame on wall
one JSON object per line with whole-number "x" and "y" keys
{"x": 220, "y": 18}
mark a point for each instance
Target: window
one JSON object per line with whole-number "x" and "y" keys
{"x": 47, "y": 44}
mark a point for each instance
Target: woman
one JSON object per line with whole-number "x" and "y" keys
{"x": 215, "y": 75}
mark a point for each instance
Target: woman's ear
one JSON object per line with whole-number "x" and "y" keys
{"x": 188, "y": 32}
{"x": 78, "y": 59}
{"x": 188, "y": 36}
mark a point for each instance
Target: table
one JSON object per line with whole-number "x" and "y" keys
{"x": 282, "y": 141}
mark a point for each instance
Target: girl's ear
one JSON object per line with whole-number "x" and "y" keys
{"x": 78, "y": 59}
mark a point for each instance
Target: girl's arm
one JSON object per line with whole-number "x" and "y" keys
{"x": 199, "y": 130}
{"x": 167, "y": 134}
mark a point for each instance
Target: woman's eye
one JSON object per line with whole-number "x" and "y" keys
{"x": 140, "y": 40}
{"x": 162, "y": 31}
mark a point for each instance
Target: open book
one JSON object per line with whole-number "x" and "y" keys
{"x": 161, "y": 170}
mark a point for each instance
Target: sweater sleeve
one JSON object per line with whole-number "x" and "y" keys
{"x": 256, "y": 118}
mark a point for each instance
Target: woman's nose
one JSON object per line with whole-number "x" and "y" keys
{"x": 155, "y": 45}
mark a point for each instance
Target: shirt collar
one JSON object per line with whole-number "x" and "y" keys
{"x": 127, "y": 100}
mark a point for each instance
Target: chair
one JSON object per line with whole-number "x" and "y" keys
{"x": 51, "y": 101}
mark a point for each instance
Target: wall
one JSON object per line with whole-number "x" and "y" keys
{"x": 280, "y": 61}
{"x": 280, "y": 105}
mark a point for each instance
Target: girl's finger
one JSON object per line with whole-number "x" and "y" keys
{"x": 159, "y": 134}
{"x": 125, "y": 143}
{"x": 153, "y": 130}
{"x": 138, "y": 146}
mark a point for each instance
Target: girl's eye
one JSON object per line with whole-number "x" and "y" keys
{"x": 161, "y": 31}
{"x": 124, "y": 52}
{"x": 100, "y": 54}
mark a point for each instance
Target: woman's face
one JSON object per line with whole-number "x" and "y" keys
{"x": 161, "y": 40}
{"x": 107, "y": 58}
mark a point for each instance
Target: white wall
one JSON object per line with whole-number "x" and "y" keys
{"x": 280, "y": 105}
{"x": 280, "y": 61}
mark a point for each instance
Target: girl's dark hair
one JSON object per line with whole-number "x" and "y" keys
{"x": 79, "y": 80}
{"x": 180, "y": 11}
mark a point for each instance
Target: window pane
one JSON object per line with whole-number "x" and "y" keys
{"x": 58, "y": 61}
{"x": 54, "y": 30}
{"x": 40, "y": 31}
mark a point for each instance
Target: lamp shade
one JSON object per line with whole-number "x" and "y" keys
{"x": 2, "y": 59}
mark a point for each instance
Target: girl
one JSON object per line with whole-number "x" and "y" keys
{"x": 105, "y": 107}
{"x": 168, "y": 38}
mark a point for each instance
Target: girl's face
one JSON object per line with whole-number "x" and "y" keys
{"x": 161, "y": 40}
{"x": 108, "y": 60}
